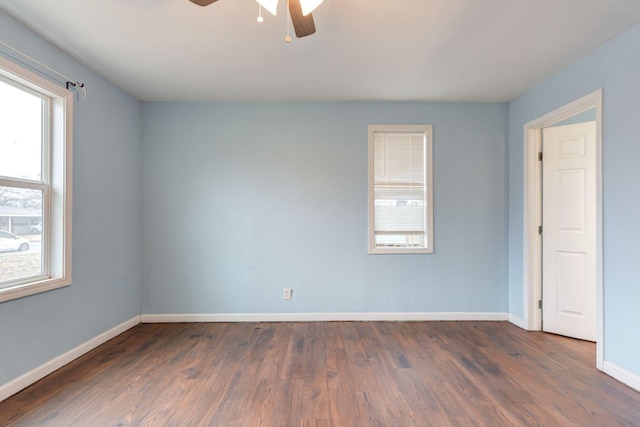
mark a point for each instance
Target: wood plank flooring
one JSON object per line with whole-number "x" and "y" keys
{"x": 337, "y": 374}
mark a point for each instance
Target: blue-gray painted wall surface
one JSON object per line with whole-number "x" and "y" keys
{"x": 243, "y": 200}
{"x": 106, "y": 289}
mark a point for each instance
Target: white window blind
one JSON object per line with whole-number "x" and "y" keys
{"x": 399, "y": 189}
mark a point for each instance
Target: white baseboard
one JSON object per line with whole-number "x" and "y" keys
{"x": 25, "y": 380}
{"x": 517, "y": 321}
{"x": 622, "y": 375}
{"x": 322, "y": 317}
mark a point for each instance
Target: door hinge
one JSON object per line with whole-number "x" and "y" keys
{"x": 540, "y": 304}
{"x": 540, "y": 156}
{"x": 540, "y": 229}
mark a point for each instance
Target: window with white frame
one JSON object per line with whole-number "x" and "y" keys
{"x": 400, "y": 189}
{"x": 35, "y": 183}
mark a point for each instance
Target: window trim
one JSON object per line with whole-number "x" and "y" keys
{"x": 428, "y": 132}
{"x": 57, "y": 205}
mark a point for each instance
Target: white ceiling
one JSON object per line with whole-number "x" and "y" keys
{"x": 395, "y": 50}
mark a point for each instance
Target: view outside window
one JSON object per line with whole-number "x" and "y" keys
{"x": 21, "y": 184}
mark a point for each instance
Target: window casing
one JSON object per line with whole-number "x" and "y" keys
{"x": 400, "y": 189}
{"x": 35, "y": 183}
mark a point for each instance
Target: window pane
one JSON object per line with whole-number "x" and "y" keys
{"x": 400, "y": 217}
{"x": 20, "y": 133}
{"x": 399, "y": 158}
{"x": 20, "y": 233}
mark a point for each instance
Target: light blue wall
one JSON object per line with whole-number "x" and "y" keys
{"x": 243, "y": 200}
{"x": 616, "y": 68}
{"x": 106, "y": 224}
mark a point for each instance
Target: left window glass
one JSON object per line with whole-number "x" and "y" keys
{"x": 23, "y": 140}
{"x": 20, "y": 133}
{"x": 20, "y": 234}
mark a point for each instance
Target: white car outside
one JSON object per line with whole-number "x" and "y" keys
{"x": 10, "y": 242}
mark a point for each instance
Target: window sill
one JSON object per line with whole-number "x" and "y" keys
{"x": 32, "y": 288}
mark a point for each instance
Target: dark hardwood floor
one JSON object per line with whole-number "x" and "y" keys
{"x": 329, "y": 374}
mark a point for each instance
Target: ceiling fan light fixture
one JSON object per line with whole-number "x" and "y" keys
{"x": 309, "y": 6}
{"x": 270, "y": 5}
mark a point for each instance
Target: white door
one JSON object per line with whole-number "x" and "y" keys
{"x": 569, "y": 230}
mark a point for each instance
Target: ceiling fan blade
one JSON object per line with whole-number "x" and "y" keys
{"x": 203, "y": 2}
{"x": 303, "y": 25}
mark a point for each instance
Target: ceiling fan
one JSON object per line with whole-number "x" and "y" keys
{"x": 299, "y": 10}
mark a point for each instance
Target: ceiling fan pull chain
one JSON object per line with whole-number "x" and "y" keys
{"x": 288, "y": 36}
{"x": 260, "y": 19}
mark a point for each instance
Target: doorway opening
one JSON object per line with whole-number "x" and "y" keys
{"x": 532, "y": 220}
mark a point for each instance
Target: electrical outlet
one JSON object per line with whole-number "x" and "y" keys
{"x": 287, "y": 293}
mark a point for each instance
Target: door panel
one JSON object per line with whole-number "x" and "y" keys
{"x": 571, "y": 283}
{"x": 569, "y": 230}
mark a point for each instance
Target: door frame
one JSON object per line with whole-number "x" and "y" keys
{"x": 532, "y": 215}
